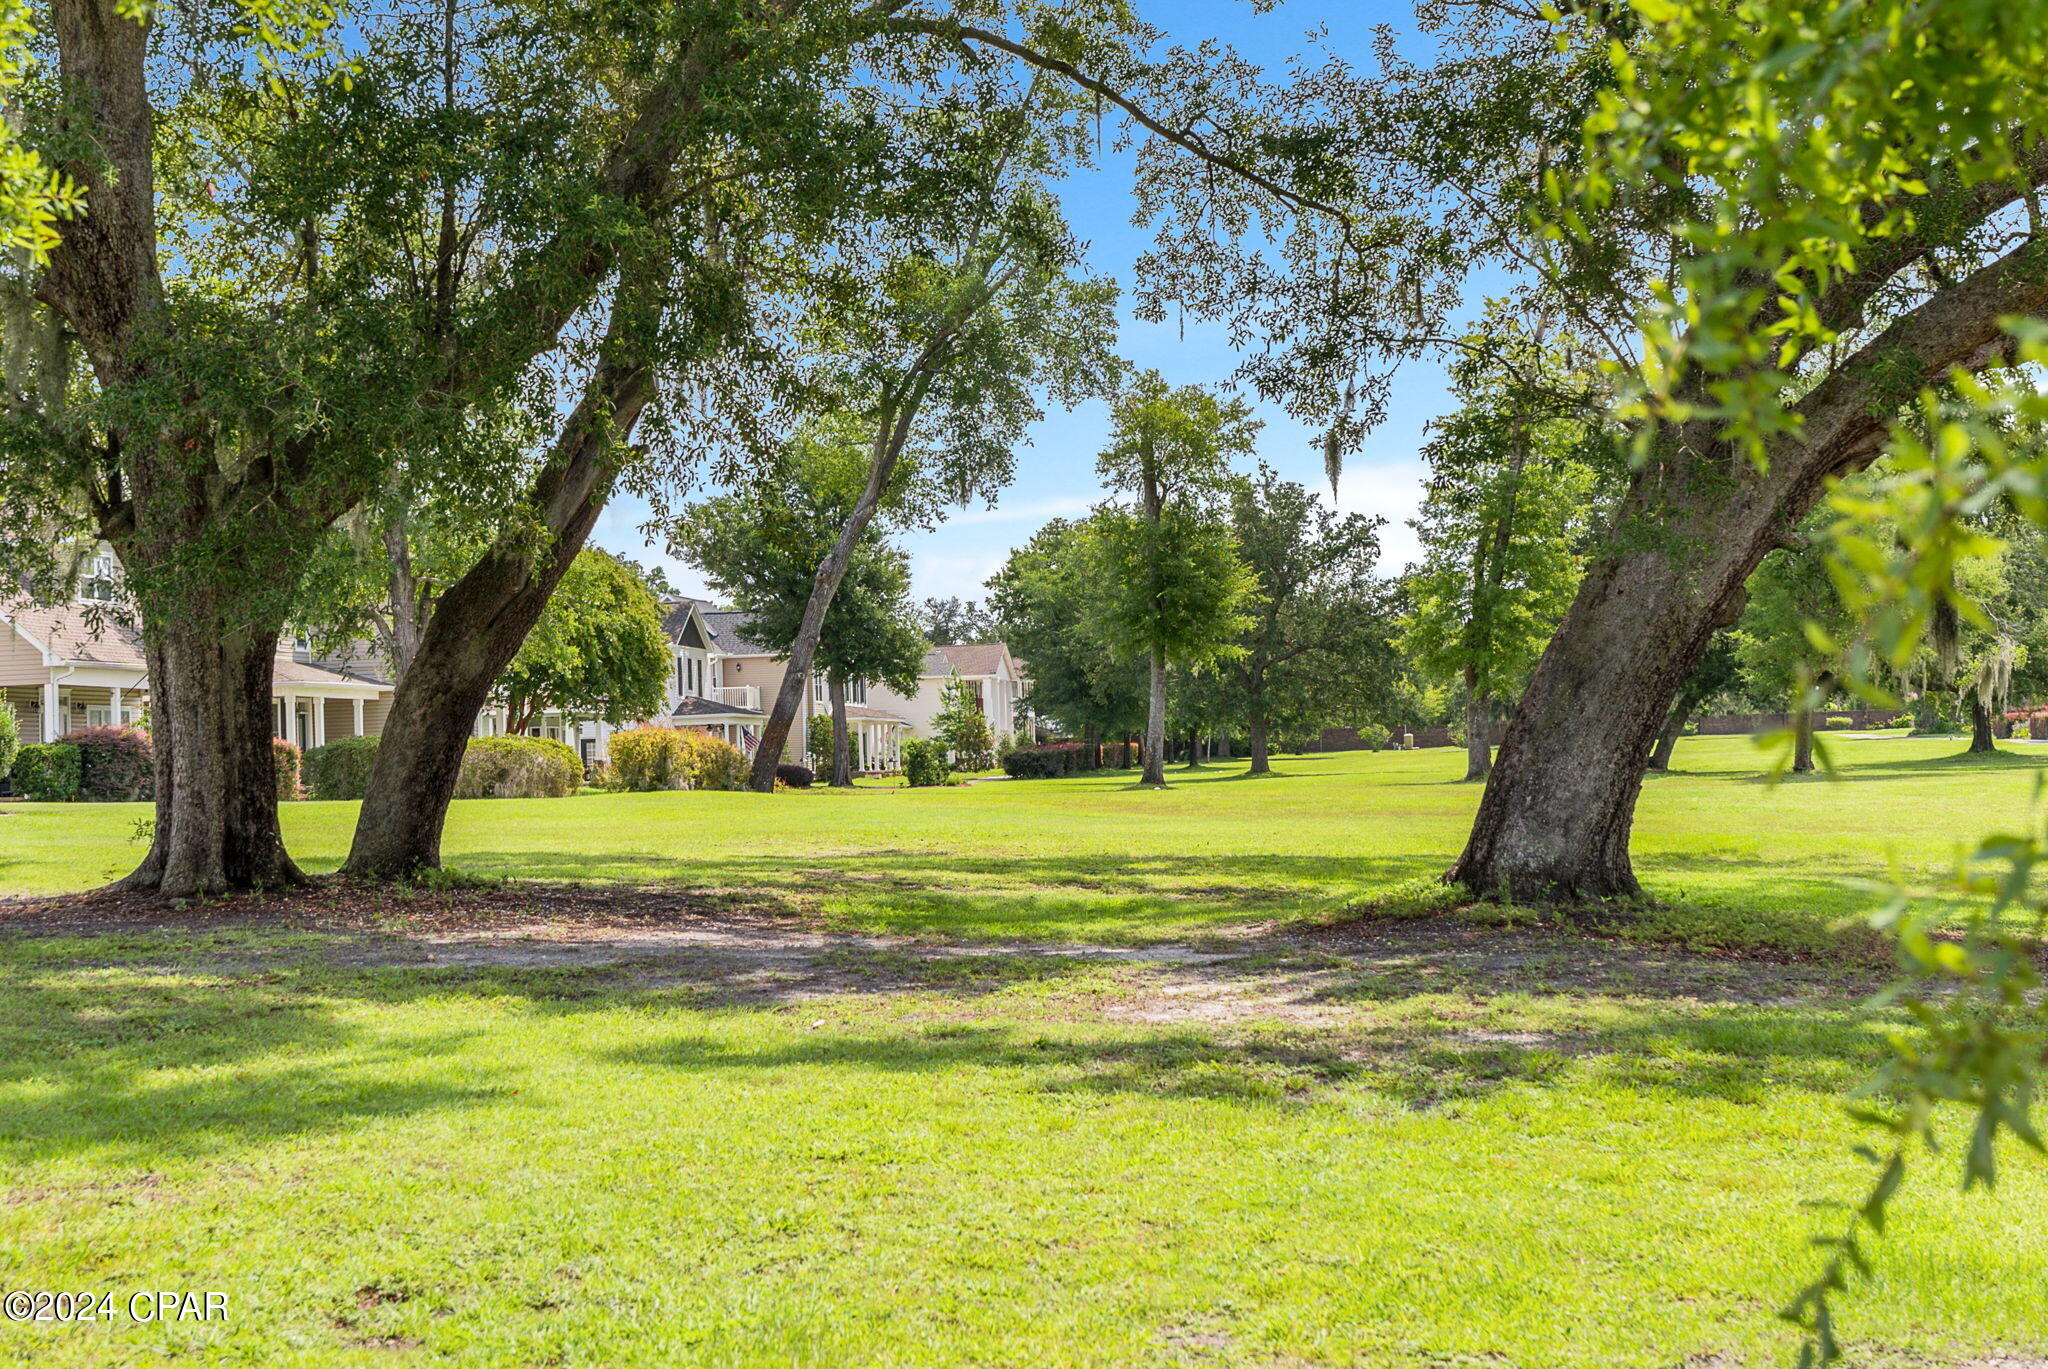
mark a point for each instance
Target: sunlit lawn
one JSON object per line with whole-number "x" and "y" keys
{"x": 1582, "y": 1152}
{"x": 1098, "y": 859}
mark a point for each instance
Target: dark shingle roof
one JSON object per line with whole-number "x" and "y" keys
{"x": 725, "y": 625}
{"x": 705, "y": 708}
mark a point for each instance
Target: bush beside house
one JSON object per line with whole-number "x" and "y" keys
{"x": 340, "y": 769}
{"x": 518, "y": 768}
{"x": 115, "y": 764}
{"x": 648, "y": 759}
{"x": 924, "y": 763}
{"x": 795, "y": 776}
{"x": 48, "y": 772}
{"x": 10, "y": 740}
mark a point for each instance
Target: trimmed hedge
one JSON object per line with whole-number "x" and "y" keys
{"x": 115, "y": 764}
{"x": 924, "y": 764}
{"x": 340, "y": 769}
{"x": 48, "y": 772}
{"x": 647, "y": 759}
{"x": 1045, "y": 762}
{"x": 796, "y": 776}
{"x": 10, "y": 738}
{"x": 518, "y": 768}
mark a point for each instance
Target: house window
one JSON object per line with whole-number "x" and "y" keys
{"x": 679, "y": 674}
{"x": 102, "y": 584}
{"x": 821, "y": 692}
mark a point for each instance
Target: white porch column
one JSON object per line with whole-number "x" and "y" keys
{"x": 291, "y": 718}
{"x": 53, "y": 723}
{"x": 319, "y": 707}
{"x": 116, "y": 693}
{"x": 358, "y": 717}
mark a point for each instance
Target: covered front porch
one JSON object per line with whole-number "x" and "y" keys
{"x": 70, "y": 700}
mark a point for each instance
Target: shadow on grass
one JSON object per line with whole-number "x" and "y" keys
{"x": 149, "y": 1069}
{"x": 1740, "y": 1057}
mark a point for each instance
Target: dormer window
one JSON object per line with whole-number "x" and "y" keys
{"x": 102, "y": 583}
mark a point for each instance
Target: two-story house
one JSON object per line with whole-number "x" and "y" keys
{"x": 988, "y": 669}
{"x": 81, "y": 664}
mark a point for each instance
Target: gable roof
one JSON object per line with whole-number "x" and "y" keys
{"x": 68, "y": 632}
{"x": 726, "y": 636}
{"x": 973, "y": 658}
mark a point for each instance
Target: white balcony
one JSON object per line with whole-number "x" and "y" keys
{"x": 741, "y": 696}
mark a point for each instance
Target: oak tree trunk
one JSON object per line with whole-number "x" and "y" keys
{"x": 216, "y": 782}
{"x": 842, "y": 750}
{"x": 1478, "y": 739}
{"x": 1802, "y": 741}
{"x": 1667, "y": 740}
{"x": 1155, "y": 724}
{"x": 1262, "y": 758}
{"x": 1555, "y": 819}
{"x": 1981, "y": 742}
{"x": 478, "y": 625}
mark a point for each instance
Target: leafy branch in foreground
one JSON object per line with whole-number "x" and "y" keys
{"x": 1977, "y": 1026}
{"x": 1975, "y": 1037}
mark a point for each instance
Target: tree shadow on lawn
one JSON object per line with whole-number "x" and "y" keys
{"x": 1740, "y": 1057}
{"x": 139, "y": 1071}
{"x": 1147, "y": 899}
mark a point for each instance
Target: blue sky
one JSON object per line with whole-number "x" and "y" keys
{"x": 1056, "y": 472}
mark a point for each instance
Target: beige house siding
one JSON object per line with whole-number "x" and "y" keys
{"x": 27, "y": 715}
{"x": 765, "y": 673}
{"x": 21, "y": 661}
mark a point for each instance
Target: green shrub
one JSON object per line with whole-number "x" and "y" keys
{"x": 924, "y": 763}
{"x": 961, "y": 727}
{"x": 10, "y": 738}
{"x": 288, "y": 762}
{"x": 1837, "y": 721}
{"x": 518, "y": 768}
{"x": 795, "y": 776}
{"x": 48, "y": 772}
{"x": 715, "y": 763}
{"x": 653, "y": 758}
{"x": 1045, "y": 762}
{"x": 820, "y": 743}
{"x": 115, "y": 764}
{"x": 646, "y": 759}
{"x": 340, "y": 769}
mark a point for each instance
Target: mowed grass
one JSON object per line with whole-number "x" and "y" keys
{"x": 1741, "y": 861}
{"x": 1515, "y": 1147}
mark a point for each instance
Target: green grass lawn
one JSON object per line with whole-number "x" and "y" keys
{"x": 1746, "y": 862}
{"x": 963, "y": 1137}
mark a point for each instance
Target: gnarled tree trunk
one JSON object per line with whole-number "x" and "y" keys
{"x": 1667, "y": 740}
{"x": 216, "y": 780}
{"x": 1555, "y": 819}
{"x": 1802, "y": 741}
{"x": 478, "y": 625}
{"x": 1554, "y": 822}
